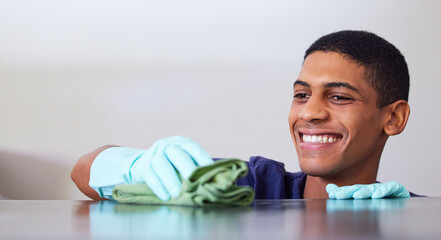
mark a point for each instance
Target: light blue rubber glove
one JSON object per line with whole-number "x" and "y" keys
{"x": 364, "y": 191}
{"x": 155, "y": 166}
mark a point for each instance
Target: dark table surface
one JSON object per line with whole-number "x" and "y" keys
{"x": 415, "y": 218}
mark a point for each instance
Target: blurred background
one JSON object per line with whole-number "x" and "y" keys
{"x": 76, "y": 75}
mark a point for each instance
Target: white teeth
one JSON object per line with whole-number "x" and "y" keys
{"x": 319, "y": 138}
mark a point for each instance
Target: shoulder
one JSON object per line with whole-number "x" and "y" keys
{"x": 259, "y": 162}
{"x": 270, "y": 180}
{"x": 266, "y": 165}
{"x": 416, "y": 195}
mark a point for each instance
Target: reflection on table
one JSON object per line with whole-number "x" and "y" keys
{"x": 306, "y": 219}
{"x": 415, "y": 218}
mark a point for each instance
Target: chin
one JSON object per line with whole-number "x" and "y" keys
{"x": 316, "y": 168}
{"x": 314, "y": 173}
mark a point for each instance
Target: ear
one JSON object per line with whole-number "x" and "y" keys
{"x": 397, "y": 114}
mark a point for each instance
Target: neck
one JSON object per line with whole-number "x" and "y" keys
{"x": 315, "y": 187}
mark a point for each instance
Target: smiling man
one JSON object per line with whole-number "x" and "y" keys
{"x": 338, "y": 121}
{"x": 350, "y": 96}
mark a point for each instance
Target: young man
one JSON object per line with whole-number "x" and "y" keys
{"x": 350, "y": 96}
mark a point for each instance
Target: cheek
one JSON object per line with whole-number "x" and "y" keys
{"x": 292, "y": 116}
{"x": 291, "y": 121}
{"x": 365, "y": 128}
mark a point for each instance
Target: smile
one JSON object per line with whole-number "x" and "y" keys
{"x": 325, "y": 138}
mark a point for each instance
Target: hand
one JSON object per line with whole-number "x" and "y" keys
{"x": 157, "y": 165}
{"x": 363, "y": 191}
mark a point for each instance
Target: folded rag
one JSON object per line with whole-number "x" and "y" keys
{"x": 214, "y": 184}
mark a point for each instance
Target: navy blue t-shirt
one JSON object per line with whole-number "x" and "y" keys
{"x": 269, "y": 180}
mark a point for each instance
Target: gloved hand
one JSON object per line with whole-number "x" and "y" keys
{"x": 363, "y": 191}
{"x": 155, "y": 166}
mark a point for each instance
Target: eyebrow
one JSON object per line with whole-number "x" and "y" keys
{"x": 329, "y": 85}
{"x": 341, "y": 84}
{"x": 302, "y": 83}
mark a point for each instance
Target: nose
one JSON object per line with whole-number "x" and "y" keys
{"x": 314, "y": 110}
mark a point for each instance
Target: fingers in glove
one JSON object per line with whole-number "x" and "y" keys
{"x": 166, "y": 174}
{"x": 155, "y": 185}
{"x": 331, "y": 189}
{"x": 198, "y": 154}
{"x": 362, "y": 193}
{"x": 391, "y": 189}
{"x": 384, "y": 190}
{"x": 346, "y": 192}
{"x": 365, "y": 191}
{"x": 180, "y": 160}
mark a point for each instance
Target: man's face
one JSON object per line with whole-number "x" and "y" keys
{"x": 335, "y": 124}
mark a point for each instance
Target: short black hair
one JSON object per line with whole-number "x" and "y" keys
{"x": 385, "y": 67}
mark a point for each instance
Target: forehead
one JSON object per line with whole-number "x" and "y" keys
{"x": 320, "y": 68}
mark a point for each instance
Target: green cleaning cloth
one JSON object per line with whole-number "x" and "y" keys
{"x": 213, "y": 184}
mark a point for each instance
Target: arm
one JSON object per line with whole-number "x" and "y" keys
{"x": 81, "y": 172}
{"x": 98, "y": 172}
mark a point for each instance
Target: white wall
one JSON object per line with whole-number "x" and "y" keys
{"x": 75, "y": 75}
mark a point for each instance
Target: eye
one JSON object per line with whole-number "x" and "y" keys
{"x": 301, "y": 97}
{"x": 341, "y": 99}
